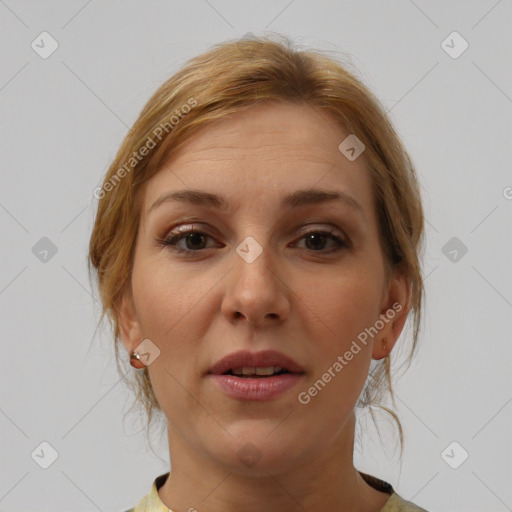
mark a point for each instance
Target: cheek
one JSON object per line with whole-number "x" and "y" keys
{"x": 346, "y": 301}
{"x": 167, "y": 302}
{"x": 345, "y": 304}
{"x": 164, "y": 297}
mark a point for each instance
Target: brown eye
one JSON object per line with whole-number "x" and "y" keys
{"x": 190, "y": 240}
{"x": 317, "y": 239}
{"x": 195, "y": 240}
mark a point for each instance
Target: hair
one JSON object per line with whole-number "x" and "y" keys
{"x": 229, "y": 78}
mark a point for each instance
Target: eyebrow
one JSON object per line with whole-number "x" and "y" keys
{"x": 294, "y": 200}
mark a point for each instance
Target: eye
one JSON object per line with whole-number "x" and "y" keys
{"x": 315, "y": 240}
{"x": 193, "y": 239}
{"x": 196, "y": 241}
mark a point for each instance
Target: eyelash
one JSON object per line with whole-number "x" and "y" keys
{"x": 171, "y": 241}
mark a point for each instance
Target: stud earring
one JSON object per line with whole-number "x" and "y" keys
{"x": 136, "y": 361}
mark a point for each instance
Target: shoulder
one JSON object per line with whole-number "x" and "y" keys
{"x": 396, "y": 503}
{"x": 151, "y": 502}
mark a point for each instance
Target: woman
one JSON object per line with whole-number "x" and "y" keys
{"x": 256, "y": 247}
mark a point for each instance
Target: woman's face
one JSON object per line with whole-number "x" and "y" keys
{"x": 304, "y": 278}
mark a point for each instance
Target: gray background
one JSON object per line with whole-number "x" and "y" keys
{"x": 62, "y": 121}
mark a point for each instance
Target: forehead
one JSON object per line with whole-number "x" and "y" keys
{"x": 271, "y": 129}
{"x": 267, "y": 150}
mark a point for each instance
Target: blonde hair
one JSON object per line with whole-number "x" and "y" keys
{"x": 229, "y": 78}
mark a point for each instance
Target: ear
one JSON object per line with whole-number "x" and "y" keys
{"x": 128, "y": 323}
{"x": 394, "y": 310}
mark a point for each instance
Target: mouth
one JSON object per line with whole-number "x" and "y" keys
{"x": 247, "y": 364}
{"x": 261, "y": 372}
{"x": 256, "y": 376}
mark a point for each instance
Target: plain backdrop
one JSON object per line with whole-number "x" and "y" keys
{"x": 62, "y": 120}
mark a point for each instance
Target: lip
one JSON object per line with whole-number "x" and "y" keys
{"x": 257, "y": 388}
{"x": 262, "y": 359}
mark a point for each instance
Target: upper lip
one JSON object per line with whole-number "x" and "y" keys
{"x": 262, "y": 359}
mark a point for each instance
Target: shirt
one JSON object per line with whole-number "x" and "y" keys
{"x": 152, "y": 502}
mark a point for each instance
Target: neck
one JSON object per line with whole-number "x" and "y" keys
{"x": 318, "y": 482}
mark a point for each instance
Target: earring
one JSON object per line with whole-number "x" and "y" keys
{"x": 384, "y": 348}
{"x": 136, "y": 361}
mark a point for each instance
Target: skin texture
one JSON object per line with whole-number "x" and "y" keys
{"x": 301, "y": 299}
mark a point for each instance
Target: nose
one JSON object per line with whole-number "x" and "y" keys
{"x": 256, "y": 292}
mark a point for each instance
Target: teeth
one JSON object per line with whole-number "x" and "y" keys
{"x": 269, "y": 370}
{"x": 248, "y": 370}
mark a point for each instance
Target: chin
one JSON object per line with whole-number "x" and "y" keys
{"x": 259, "y": 452}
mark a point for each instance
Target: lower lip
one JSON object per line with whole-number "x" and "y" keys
{"x": 262, "y": 388}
